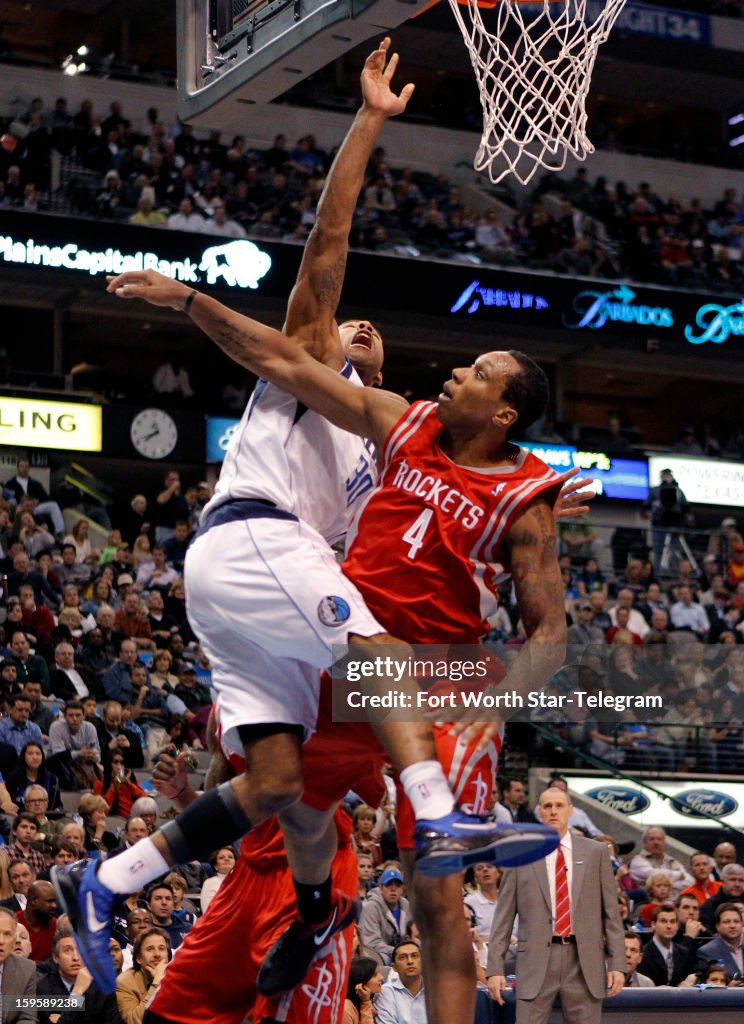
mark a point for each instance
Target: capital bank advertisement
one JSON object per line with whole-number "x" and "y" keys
{"x": 683, "y": 803}
{"x": 468, "y": 292}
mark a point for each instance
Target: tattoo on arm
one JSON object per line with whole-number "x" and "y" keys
{"x": 535, "y": 568}
{"x": 329, "y": 283}
{"x": 234, "y": 340}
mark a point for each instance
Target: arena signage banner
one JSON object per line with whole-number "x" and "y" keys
{"x": 37, "y": 423}
{"x": 220, "y": 431}
{"x": 657, "y": 22}
{"x": 35, "y": 245}
{"x": 613, "y": 477}
{"x": 703, "y": 481}
{"x": 685, "y": 803}
{"x": 235, "y": 264}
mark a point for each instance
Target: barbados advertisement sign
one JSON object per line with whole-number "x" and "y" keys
{"x": 716, "y": 323}
{"x": 594, "y": 308}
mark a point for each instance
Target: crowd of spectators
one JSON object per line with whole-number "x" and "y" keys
{"x": 684, "y": 921}
{"x": 153, "y": 176}
{"x": 100, "y": 669}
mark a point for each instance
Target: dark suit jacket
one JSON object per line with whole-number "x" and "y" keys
{"x": 11, "y": 904}
{"x": 62, "y": 686}
{"x": 654, "y": 967}
{"x": 134, "y": 756}
{"x": 99, "y": 1009}
{"x": 19, "y": 979}
{"x": 596, "y": 920}
{"x": 717, "y": 949}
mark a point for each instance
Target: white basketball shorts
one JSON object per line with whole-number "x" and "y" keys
{"x": 268, "y": 601}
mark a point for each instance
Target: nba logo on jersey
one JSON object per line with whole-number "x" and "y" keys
{"x": 497, "y": 490}
{"x": 333, "y": 611}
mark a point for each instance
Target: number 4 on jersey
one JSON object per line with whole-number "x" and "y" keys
{"x": 414, "y": 535}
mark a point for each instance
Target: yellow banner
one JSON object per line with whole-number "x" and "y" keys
{"x": 41, "y": 424}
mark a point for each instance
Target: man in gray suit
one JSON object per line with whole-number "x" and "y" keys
{"x": 726, "y": 947}
{"x": 571, "y": 940}
{"x": 17, "y": 974}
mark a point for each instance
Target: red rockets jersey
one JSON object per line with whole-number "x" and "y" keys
{"x": 427, "y": 549}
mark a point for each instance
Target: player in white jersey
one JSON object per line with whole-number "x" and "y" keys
{"x": 268, "y": 600}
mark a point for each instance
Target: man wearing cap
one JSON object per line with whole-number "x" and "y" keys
{"x": 584, "y": 631}
{"x": 384, "y": 916}
{"x": 193, "y": 693}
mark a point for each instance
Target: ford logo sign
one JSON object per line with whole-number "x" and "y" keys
{"x": 619, "y": 798}
{"x": 697, "y": 803}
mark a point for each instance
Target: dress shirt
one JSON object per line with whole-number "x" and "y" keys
{"x": 690, "y": 616}
{"x": 19, "y": 735}
{"x": 566, "y": 844}
{"x": 77, "y": 681}
{"x": 737, "y": 952}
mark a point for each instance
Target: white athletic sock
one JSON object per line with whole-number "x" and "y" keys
{"x": 426, "y": 787}
{"x": 134, "y": 868}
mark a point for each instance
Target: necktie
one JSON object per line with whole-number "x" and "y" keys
{"x": 562, "y": 898}
{"x": 670, "y": 964}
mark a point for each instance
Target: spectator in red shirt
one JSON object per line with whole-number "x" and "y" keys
{"x": 701, "y": 870}
{"x": 39, "y": 919}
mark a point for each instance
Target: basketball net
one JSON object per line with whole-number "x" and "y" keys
{"x": 533, "y": 76}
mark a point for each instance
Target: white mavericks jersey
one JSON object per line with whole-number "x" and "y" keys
{"x": 287, "y": 454}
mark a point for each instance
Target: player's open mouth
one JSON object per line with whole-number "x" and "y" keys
{"x": 445, "y": 394}
{"x": 363, "y": 338}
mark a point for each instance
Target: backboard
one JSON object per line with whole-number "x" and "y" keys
{"x": 248, "y": 52}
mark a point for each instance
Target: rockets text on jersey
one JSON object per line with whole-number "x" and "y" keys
{"x": 426, "y": 548}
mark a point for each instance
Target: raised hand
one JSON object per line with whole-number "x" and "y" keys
{"x": 151, "y": 286}
{"x": 376, "y": 78}
{"x": 573, "y": 498}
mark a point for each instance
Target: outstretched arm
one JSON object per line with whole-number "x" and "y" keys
{"x": 270, "y": 354}
{"x": 315, "y": 296}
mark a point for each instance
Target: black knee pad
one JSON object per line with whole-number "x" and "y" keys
{"x": 213, "y": 820}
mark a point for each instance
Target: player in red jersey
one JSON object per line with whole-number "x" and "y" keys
{"x": 213, "y": 979}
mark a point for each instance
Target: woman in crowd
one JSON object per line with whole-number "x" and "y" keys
{"x": 101, "y": 592}
{"x": 79, "y": 537}
{"x": 364, "y": 837}
{"x": 119, "y": 787}
{"x": 223, "y": 862}
{"x": 31, "y": 769}
{"x": 622, "y": 675}
{"x": 161, "y": 676}
{"x": 365, "y": 981}
{"x": 75, "y": 835}
{"x": 94, "y": 810}
{"x": 136, "y": 987}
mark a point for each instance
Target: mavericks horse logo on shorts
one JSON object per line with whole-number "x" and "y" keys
{"x": 333, "y": 611}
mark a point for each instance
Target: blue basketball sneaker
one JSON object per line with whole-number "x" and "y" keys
{"x": 90, "y": 907}
{"x": 448, "y": 845}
